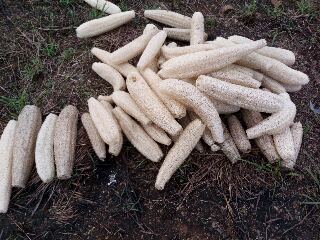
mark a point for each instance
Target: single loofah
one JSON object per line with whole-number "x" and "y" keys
{"x": 297, "y": 134}
{"x": 195, "y": 64}
{"x": 27, "y": 128}
{"x": 238, "y": 134}
{"x": 179, "y": 152}
{"x": 64, "y": 142}
{"x": 231, "y": 74}
{"x": 272, "y": 85}
{"x": 106, "y": 124}
{"x": 6, "y": 156}
{"x": 170, "y": 18}
{"x": 135, "y": 47}
{"x": 105, "y": 57}
{"x": 105, "y": 6}
{"x": 197, "y": 29}
{"x": 170, "y": 52}
{"x": 124, "y": 100}
{"x": 265, "y": 143}
{"x": 283, "y": 55}
{"x": 101, "y": 25}
{"x": 180, "y": 34}
{"x": 248, "y": 98}
{"x": 137, "y": 136}
{"x": 157, "y": 133}
{"x": 176, "y": 108}
{"x": 151, "y": 50}
{"x": 190, "y": 96}
{"x": 285, "y": 146}
{"x": 277, "y": 122}
{"x": 96, "y": 141}
{"x": 44, "y": 156}
{"x": 151, "y": 105}
{"x": 109, "y": 74}
{"x": 229, "y": 147}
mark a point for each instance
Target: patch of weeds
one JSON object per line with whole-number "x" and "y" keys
{"x": 314, "y": 198}
{"x": 15, "y": 104}
{"x": 66, "y": 2}
{"x": 68, "y": 53}
{"x": 211, "y": 22}
{"x": 250, "y": 8}
{"x": 275, "y": 12}
{"x": 32, "y": 69}
{"x": 274, "y": 169}
{"x": 50, "y": 49}
{"x": 123, "y": 6}
{"x": 95, "y": 13}
{"x": 305, "y": 8}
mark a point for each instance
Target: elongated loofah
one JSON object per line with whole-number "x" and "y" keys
{"x": 151, "y": 105}
{"x": 96, "y": 141}
{"x": 64, "y": 142}
{"x": 285, "y": 146}
{"x": 104, "y": 6}
{"x": 151, "y": 50}
{"x": 176, "y": 108}
{"x": 106, "y": 125}
{"x": 265, "y": 143}
{"x": 190, "y": 96}
{"x": 170, "y": 18}
{"x": 135, "y": 47}
{"x": 180, "y": 34}
{"x": 28, "y": 125}
{"x": 137, "y": 136}
{"x": 197, "y": 29}
{"x": 277, "y": 122}
{"x": 101, "y": 25}
{"x": 238, "y": 134}
{"x": 124, "y": 100}
{"x": 283, "y": 55}
{"x": 179, "y": 152}
{"x": 248, "y": 98}
{"x": 6, "y": 156}
{"x": 272, "y": 85}
{"x": 109, "y": 74}
{"x": 232, "y": 75}
{"x": 44, "y": 157}
{"x": 195, "y": 64}
{"x": 105, "y": 57}
{"x": 228, "y": 147}
{"x": 157, "y": 133}
{"x": 297, "y": 134}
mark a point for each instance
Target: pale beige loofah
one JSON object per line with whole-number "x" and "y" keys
{"x": 197, "y": 29}
{"x": 248, "y": 98}
{"x": 170, "y": 18}
{"x": 179, "y": 152}
{"x": 238, "y": 134}
{"x": 190, "y": 96}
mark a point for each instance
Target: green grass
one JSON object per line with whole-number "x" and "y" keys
{"x": 211, "y": 22}
{"x": 15, "y": 104}
{"x": 50, "y": 49}
{"x": 274, "y": 169}
{"x": 305, "y": 8}
{"x": 95, "y": 13}
{"x": 314, "y": 198}
{"x": 32, "y": 69}
{"x": 250, "y": 8}
{"x": 275, "y": 12}
{"x": 68, "y": 54}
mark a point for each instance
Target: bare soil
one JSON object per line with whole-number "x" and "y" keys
{"x": 42, "y": 62}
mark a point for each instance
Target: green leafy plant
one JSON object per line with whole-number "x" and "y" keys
{"x": 15, "y": 104}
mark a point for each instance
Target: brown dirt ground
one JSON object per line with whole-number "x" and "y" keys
{"x": 43, "y": 63}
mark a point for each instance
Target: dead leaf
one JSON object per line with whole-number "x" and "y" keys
{"x": 276, "y": 3}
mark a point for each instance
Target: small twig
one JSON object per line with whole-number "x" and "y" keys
{"x": 56, "y": 28}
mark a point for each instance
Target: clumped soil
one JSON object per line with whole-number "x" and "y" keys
{"x": 42, "y": 62}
